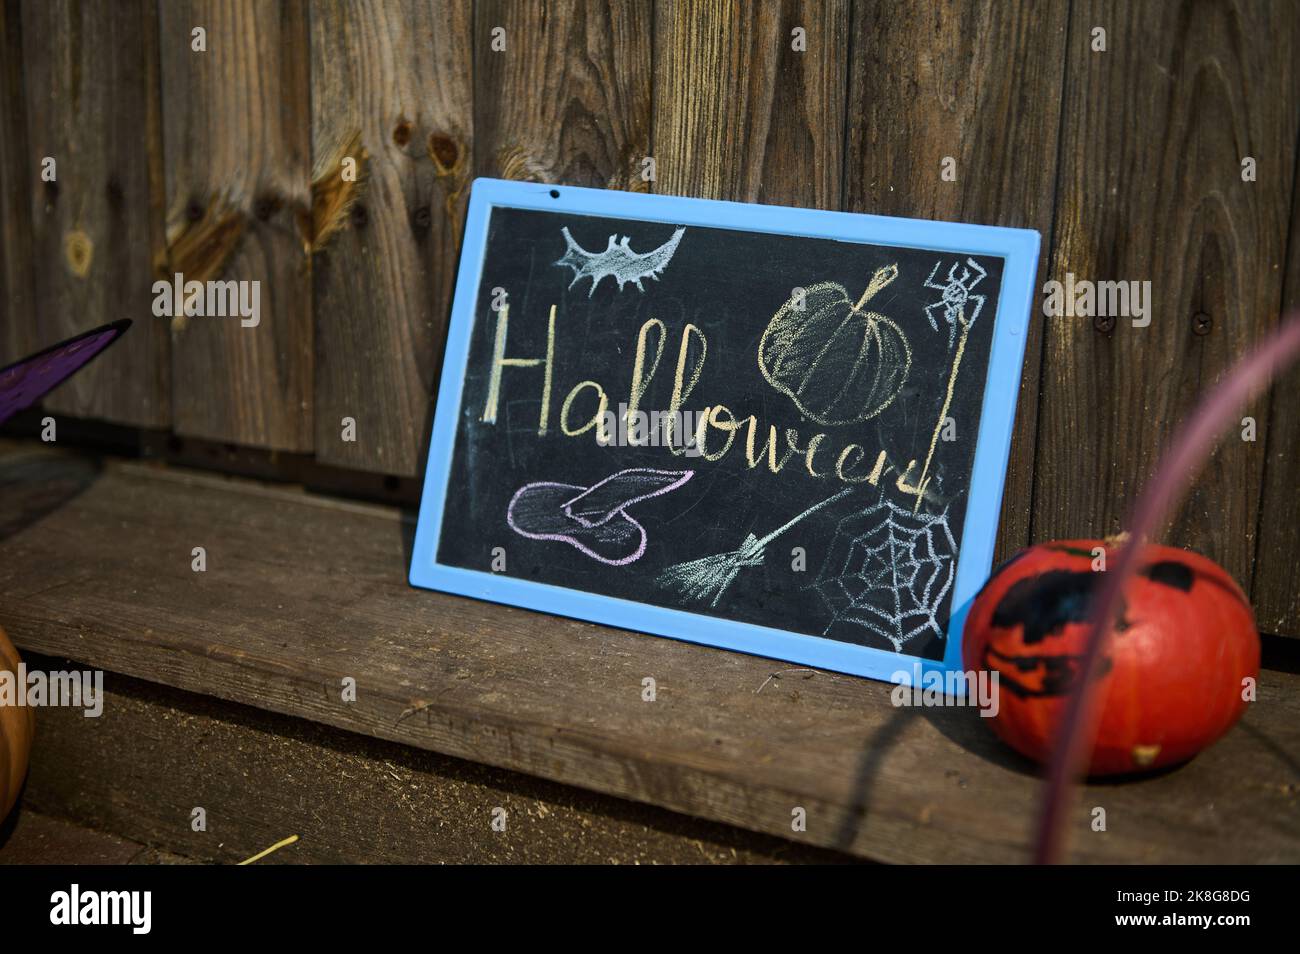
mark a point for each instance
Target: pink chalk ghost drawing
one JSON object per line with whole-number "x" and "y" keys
{"x": 594, "y": 519}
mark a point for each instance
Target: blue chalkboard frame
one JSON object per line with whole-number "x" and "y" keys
{"x": 1019, "y": 248}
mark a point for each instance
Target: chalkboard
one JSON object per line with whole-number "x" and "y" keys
{"x": 775, "y": 430}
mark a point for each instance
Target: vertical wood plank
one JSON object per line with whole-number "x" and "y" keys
{"x": 1276, "y": 592}
{"x": 92, "y": 106}
{"x": 391, "y": 89}
{"x": 237, "y": 133}
{"x": 1151, "y": 190}
{"x": 739, "y": 113}
{"x": 980, "y": 84}
{"x": 18, "y": 335}
{"x": 568, "y": 98}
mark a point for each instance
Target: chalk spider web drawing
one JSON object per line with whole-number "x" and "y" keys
{"x": 957, "y": 297}
{"x": 617, "y": 261}
{"x": 888, "y": 574}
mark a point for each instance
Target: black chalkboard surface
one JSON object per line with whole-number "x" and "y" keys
{"x": 767, "y": 430}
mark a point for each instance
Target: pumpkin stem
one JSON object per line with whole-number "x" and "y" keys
{"x": 879, "y": 280}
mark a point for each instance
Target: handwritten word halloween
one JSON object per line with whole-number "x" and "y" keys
{"x": 718, "y": 426}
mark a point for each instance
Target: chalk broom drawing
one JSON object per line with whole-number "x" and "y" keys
{"x": 836, "y": 361}
{"x": 708, "y": 577}
{"x": 887, "y": 575}
{"x": 617, "y": 261}
{"x": 594, "y": 519}
{"x": 956, "y": 296}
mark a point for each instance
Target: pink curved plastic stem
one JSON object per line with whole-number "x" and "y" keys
{"x": 1188, "y": 451}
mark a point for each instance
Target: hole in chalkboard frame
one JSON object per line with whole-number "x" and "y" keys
{"x": 555, "y": 193}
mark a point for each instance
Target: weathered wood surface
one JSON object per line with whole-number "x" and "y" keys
{"x": 1151, "y": 190}
{"x": 568, "y": 97}
{"x": 30, "y": 838}
{"x": 261, "y": 777}
{"x": 17, "y": 301}
{"x": 301, "y": 592}
{"x": 1276, "y": 592}
{"x": 739, "y": 113}
{"x": 391, "y": 90}
{"x": 91, "y": 84}
{"x": 1128, "y": 161}
{"x": 931, "y": 92}
{"x": 237, "y": 135}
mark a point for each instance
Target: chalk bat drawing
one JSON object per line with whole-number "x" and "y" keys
{"x": 617, "y": 261}
{"x": 708, "y": 577}
{"x": 837, "y": 362}
{"x": 887, "y": 575}
{"x": 594, "y": 519}
{"x": 956, "y": 296}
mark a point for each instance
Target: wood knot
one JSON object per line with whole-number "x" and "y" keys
{"x": 335, "y": 188}
{"x": 266, "y": 206}
{"x": 444, "y": 152}
{"x": 79, "y": 250}
{"x": 402, "y": 132}
{"x": 199, "y": 248}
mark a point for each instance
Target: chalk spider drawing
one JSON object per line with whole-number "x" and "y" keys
{"x": 594, "y": 519}
{"x": 957, "y": 296}
{"x": 617, "y": 261}
{"x": 887, "y": 576}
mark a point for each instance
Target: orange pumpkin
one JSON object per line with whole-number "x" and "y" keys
{"x": 1176, "y": 662}
{"x": 17, "y": 724}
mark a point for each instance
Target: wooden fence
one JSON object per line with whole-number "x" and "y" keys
{"x": 1131, "y": 160}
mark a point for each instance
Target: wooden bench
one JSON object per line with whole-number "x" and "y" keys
{"x": 226, "y": 692}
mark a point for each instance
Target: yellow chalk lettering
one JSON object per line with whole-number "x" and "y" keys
{"x": 640, "y": 377}
{"x": 500, "y": 361}
{"x": 681, "y": 387}
{"x": 603, "y": 406}
{"x": 730, "y": 426}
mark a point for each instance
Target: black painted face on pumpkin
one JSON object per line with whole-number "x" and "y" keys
{"x": 1036, "y": 611}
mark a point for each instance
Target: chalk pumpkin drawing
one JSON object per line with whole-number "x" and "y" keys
{"x": 617, "y": 261}
{"x": 836, "y": 361}
{"x": 594, "y": 519}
